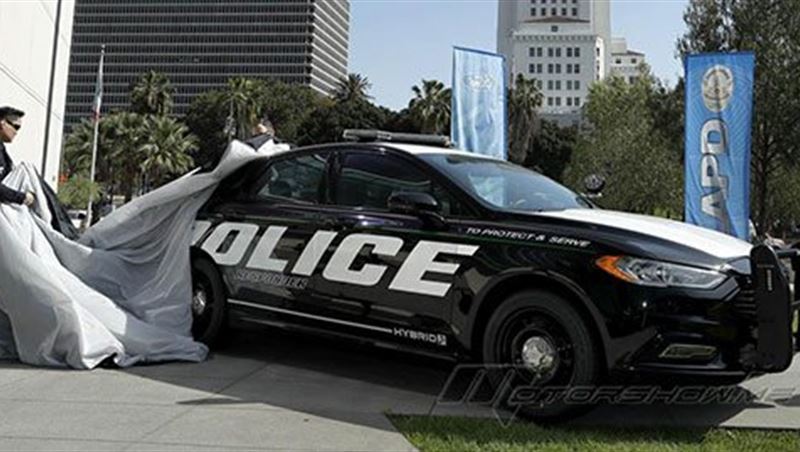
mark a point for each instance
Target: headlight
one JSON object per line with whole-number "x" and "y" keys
{"x": 646, "y": 272}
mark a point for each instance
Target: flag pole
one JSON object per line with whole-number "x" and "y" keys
{"x": 98, "y": 98}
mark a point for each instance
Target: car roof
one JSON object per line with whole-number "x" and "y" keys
{"x": 411, "y": 149}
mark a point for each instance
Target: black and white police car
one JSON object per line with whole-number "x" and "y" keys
{"x": 445, "y": 252}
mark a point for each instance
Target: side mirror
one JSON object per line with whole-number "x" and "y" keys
{"x": 594, "y": 185}
{"x": 412, "y": 203}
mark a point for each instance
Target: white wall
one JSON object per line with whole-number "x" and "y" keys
{"x": 25, "y": 62}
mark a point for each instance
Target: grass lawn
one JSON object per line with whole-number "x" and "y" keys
{"x": 465, "y": 434}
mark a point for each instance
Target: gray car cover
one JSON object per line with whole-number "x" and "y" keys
{"x": 123, "y": 290}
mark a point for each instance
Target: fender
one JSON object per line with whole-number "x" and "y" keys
{"x": 614, "y": 349}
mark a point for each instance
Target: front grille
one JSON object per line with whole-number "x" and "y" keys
{"x": 744, "y": 304}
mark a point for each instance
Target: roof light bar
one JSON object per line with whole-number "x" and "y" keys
{"x": 368, "y": 135}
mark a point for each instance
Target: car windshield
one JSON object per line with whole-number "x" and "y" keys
{"x": 504, "y": 185}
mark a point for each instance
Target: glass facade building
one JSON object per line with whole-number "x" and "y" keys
{"x": 200, "y": 44}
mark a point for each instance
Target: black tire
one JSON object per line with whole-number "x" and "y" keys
{"x": 540, "y": 317}
{"x": 208, "y": 323}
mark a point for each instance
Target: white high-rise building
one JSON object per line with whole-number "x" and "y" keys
{"x": 624, "y": 61}
{"x": 26, "y": 68}
{"x": 564, "y": 44}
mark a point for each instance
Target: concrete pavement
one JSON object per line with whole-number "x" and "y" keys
{"x": 269, "y": 390}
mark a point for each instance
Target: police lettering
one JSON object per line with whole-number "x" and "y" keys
{"x": 228, "y": 243}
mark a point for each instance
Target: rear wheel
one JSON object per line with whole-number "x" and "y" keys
{"x": 542, "y": 346}
{"x": 208, "y": 302}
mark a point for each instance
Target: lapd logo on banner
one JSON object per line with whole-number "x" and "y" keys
{"x": 719, "y": 98}
{"x": 717, "y": 88}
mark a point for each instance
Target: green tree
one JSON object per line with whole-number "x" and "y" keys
{"x": 624, "y": 145}
{"x": 771, "y": 29}
{"x": 524, "y": 99}
{"x": 327, "y": 122}
{"x": 166, "y": 151}
{"x": 430, "y": 107}
{"x": 127, "y": 134}
{"x": 243, "y": 98}
{"x": 352, "y": 87}
{"x": 74, "y": 192}
{"x": 551, "y": 149}
{"x": 152, "y": 94}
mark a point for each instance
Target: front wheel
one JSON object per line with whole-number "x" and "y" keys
{"x": 543, "y": 347}
{"x": 208, "y": 302}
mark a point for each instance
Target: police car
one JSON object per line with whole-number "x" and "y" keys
{"x": 405, "y": 243}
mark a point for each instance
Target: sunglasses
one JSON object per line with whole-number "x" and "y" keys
{"x": 14, "y": 126}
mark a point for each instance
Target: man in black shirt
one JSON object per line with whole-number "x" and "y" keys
{"x": 10, "y": 123}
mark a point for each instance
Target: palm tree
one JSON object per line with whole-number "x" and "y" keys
{"x": 166, "y": 150}
{"x": 352, "y": 87}
{"x": 244, "y": 98}
{"x": 524, "y": 98}
{"x": 152, "y": 94}
{"x": 430, "y": 106}
{"x": 128, "y": 132}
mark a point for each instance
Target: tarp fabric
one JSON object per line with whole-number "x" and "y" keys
{"x": 123, "y": 290}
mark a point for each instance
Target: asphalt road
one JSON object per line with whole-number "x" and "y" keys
{"x": 269, "y": 390}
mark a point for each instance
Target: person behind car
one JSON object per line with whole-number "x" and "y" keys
{"x": 10, "y": 123}
{"x": 263, "y": 131}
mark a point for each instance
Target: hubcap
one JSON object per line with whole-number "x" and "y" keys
{"x": 539, "y": 354}
{"x": 199, "y": 302}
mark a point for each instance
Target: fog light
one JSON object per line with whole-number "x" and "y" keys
{"x": 688, "y": 351}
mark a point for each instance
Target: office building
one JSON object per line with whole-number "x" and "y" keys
{"x": 32, "y": 81}
{"x": 565, "y": 45}
{"x": 201, "y": 44}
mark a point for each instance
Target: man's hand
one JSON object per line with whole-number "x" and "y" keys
{"x": 29, "y": 199}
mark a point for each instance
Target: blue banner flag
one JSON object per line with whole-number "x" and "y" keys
{"x": 479, "y": 102}
{"x": 719, "y": 107}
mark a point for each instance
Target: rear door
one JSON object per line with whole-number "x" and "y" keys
{"x": 261, "y": 230}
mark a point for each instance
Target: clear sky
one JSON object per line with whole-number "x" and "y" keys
{"x": 396, "y": 43}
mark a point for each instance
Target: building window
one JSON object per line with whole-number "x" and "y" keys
{"x": 633, "y": 60}
{"x": 558, "y": 52}
{"x": 550, "y": 52}
{"x": 539, "y": 84}
{"x": 569, "y": 52}
{"x": 577, "y": 102}
{"x": 553, "y": 11}
{"x": 558, "y": 101}
{"x": 569, "y": 102}
{"x": 577, "y": 85}
{"x": 569, "y": 68}
{"x": 564, "y": 12}
{"x": 538, "y": 68}
{"x": 569, "y": 85}
{"x": 532, "y": 68}
{"x": 574, "y": 11}
{"x": 577, "y": 52}
{"x": 618, "y": 61}
{"x": 577, "y": 69}
{"x": 550, "y": 85}
{"x": 544, "y": 11}
{"x": 549, "y": 101}
{"x": 558, "y": 85}
{"x": 538, "y": 51}
{"x": 554, "y": 29}
{"x": 532, "y": 51}
{"x": 558, "y": 68}
{"x": 550, "y": 68}
{"x": 533, "y": 12}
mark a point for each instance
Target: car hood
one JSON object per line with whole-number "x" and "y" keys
{"x": 717, "y": 244}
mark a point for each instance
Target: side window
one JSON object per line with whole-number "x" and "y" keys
{"x": 297, "y": 179}
{"x": 368, "y": 180}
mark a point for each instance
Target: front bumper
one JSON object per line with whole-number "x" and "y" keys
{"x": 776, "y": 303}
{"x": 742, "y": 328}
